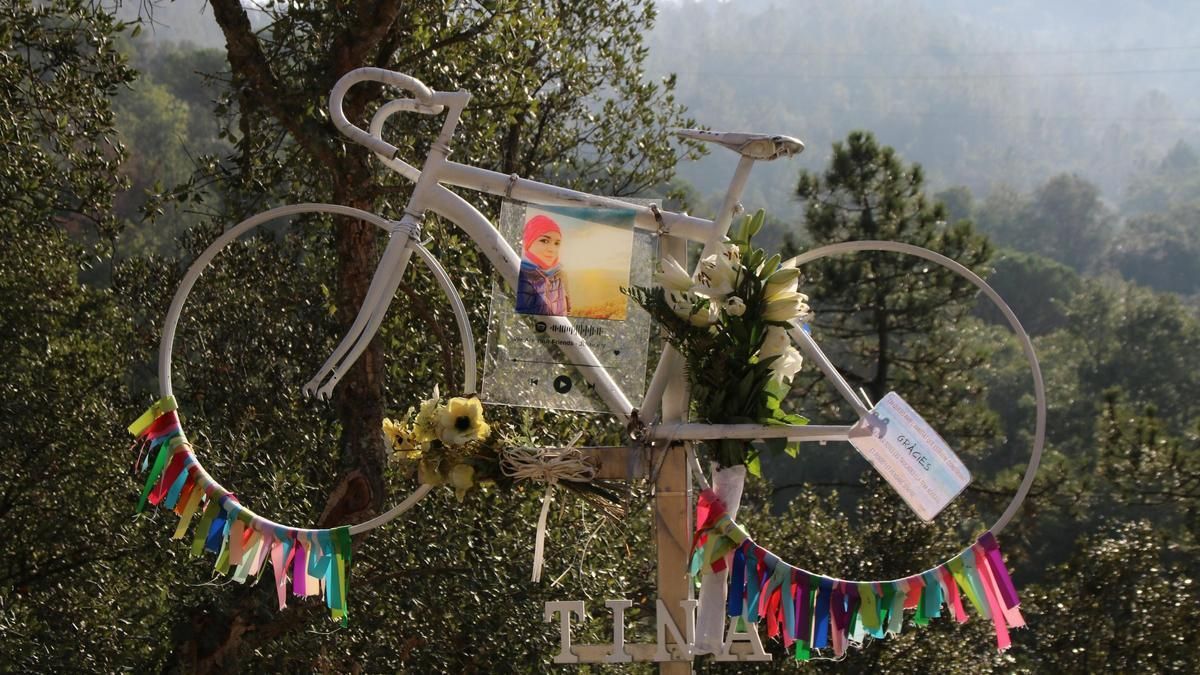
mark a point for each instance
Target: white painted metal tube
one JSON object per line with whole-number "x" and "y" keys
{"x": 385, "y": 111}
{"x": 725, "y": 216}
{"x": 389, "y": 272}
{"x": 383, "y": 287}
{"x": 1039, "y": 386}
{"x": 461, "y": 317}
{"x": 526, "y": 190}
{"x": 658, "y": 383}
{"x": 373, "y": 315}
{"x": 189, "y": 278}
{"x": 390, "y": 514}
{"x": 699, "y": 431}
{"x": 423, "y": 94}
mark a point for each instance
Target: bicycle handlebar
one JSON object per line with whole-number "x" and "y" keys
{"x": 425, "y": 101}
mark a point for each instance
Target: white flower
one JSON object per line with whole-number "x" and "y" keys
{"x": 671, "y": 275}
{"x": 784, "y": 280}
{"x": 786, "y": 306}
{"x": 715, "y": 277}
{"x": 684, "y": 302}
{"x": 777, "y": 343}
{"x": 735, "y": 306}
{"x": 787, "y": 365}
{"x": 731, "y": 252}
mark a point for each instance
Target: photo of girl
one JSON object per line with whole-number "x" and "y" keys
{"x": 542, "y": 285}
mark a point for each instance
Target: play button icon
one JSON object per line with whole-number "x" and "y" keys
{"x": 562, "y": 384}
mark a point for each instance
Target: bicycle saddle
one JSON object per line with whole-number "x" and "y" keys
{"x": 754, "y": 146}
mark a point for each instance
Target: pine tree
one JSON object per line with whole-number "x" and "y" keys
{"x": 894, "y": 322}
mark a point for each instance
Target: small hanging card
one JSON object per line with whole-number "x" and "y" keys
{"x": 911, "y": 456}
{"x": 574, "y": 262}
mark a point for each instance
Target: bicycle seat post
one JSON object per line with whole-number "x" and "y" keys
{"x": 729, "y": 205}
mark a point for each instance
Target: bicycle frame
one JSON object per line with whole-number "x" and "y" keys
{"x": 430, "y": 194}
{"x": 667, "y": 391}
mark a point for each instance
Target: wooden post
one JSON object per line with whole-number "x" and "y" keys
{"x": 672, "y": 515}
{"x": 672, "y": 500}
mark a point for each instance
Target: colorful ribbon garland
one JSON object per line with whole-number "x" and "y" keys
{"x": 319, "y": 560}
{"x": 811, "y": 611}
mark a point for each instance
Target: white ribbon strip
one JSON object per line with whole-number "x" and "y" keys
{"x": 710, "y": 620}
{"x": 539, "y": 542}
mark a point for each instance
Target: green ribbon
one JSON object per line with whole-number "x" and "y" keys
{"x": 338, "y": 570}
{"x": 724, "y": 536}
{"x": 868, "y": 611}
{"x": 921, "y": 618}
{"x": 896, "y": 608}
{"x": 967, "y": 580}
{"x": 222, "y": 564}
{"x": 160, "y": 463}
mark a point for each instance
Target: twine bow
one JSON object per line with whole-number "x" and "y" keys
{"x": 549, "y": 466}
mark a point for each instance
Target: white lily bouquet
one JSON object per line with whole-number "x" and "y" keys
{"x": 729, "y": 321}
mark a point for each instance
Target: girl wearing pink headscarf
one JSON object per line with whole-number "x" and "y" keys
{"x": 542, "y": 286}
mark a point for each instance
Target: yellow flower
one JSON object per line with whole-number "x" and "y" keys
{"x": 394, "y": 433}
{"x": 461, "y": 421}
{"x": 428, "y": 472}
{"x": 462, "y": 479}
{"x": 425, "y": 425}
{"x": 399, "y": 439}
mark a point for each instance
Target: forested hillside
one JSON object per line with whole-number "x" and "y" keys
{"x": 980, "y": 94}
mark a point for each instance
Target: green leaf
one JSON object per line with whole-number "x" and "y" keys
{"x": 753, "y": 466}
{"x": 770, "y": 267}
{"x": 755, "y": 223}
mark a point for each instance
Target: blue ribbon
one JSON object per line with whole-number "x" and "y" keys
{"x": 737, "y": 582}
{"x": 932, "y": 595}
{"x": 789, "y": 605}
{"x": 821, "y": 632}
{"x": 216, "y": 532}
{"x": 753, "y": 586}
{"x": 176, "y": 487}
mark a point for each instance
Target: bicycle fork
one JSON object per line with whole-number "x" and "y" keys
{"x": 383, "y": 288}
{"x": 390, "y": 272}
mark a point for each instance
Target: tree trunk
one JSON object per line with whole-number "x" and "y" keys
{"x": 212, "y": 640}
